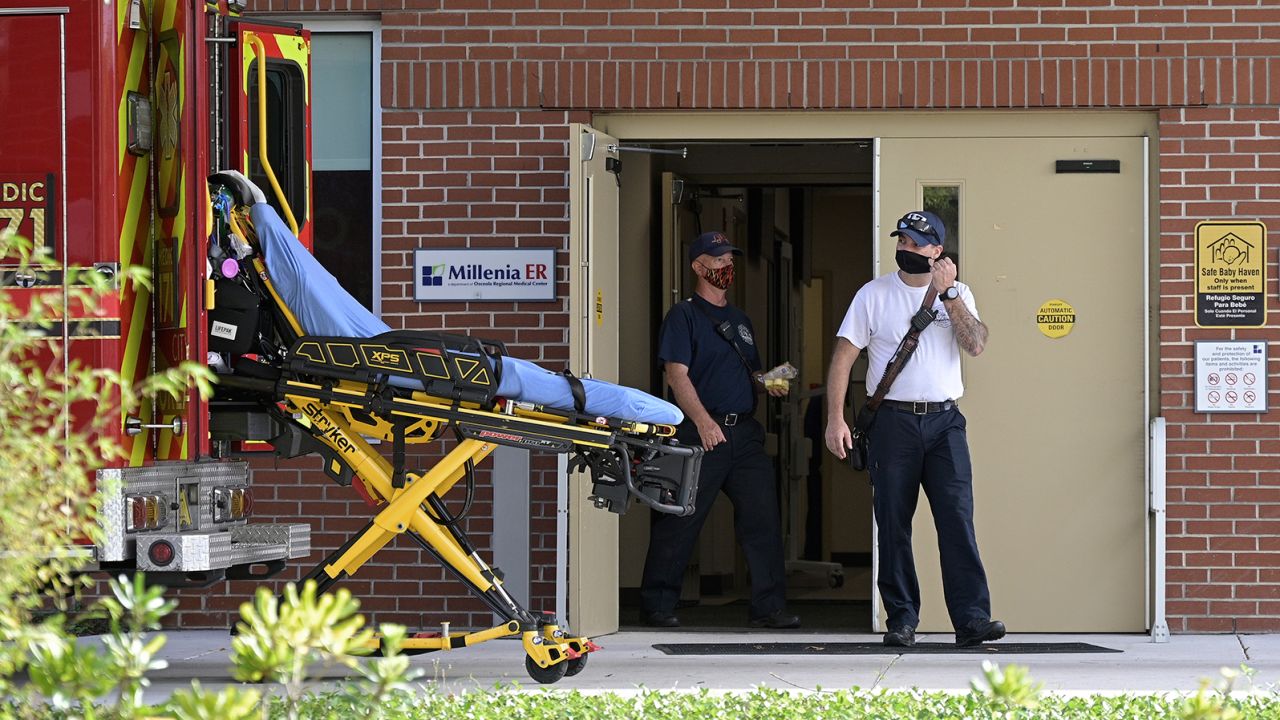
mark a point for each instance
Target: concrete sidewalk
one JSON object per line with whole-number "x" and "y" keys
{"x": 629, "y": 662}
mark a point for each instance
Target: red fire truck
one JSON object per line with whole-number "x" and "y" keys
{"x": 114, "y": 115}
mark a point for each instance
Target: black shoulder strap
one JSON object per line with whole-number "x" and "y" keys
{"x": 921, "y": 320}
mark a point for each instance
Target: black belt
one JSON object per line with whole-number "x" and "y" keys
{"x": 919, "y": 407}
{"x": 730, "y": 419}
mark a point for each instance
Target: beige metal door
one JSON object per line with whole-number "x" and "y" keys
{"x": 1056, "y": 425}
{"x": 593, "y": 341}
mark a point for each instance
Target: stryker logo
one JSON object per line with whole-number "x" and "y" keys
{"x": 327, "y": 430}
{"x": 521, "y": 440}
{"x": 499, "y": 436}
{"x": 223, "y": 330}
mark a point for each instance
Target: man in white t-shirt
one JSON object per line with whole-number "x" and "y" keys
{"x": 918, "y": 436}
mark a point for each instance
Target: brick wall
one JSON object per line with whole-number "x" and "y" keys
{"x": 477, "y": 94}
{"x": 1223, "y": 470}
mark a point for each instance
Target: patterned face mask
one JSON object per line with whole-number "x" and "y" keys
{"x": 721, "y": 278}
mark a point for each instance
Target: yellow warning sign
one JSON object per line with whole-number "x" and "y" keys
{"x": 1231, "y": 274}
{"x": 599, "y": 306}
{"x": 1055, "y": 318}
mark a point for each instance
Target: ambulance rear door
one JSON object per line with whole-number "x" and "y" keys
{"x": 272, "y": 67}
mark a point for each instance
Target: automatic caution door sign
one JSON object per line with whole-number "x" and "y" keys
{"x": 1055, "y": 318}
{"x": 1231, "y": 274}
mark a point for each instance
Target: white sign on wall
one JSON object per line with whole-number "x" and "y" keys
{"x": 483, "y": 275}
{"x": 1231, "y": 376}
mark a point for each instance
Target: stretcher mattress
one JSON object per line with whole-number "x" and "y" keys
{"x": 323, "y": 307}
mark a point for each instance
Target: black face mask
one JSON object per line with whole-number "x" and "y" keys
{"x": 912, "y": 263}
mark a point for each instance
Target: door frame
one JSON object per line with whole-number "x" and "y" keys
{"x": 839, "y": 126}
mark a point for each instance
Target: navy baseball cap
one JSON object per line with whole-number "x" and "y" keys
{"x": 713, "y": 243}
{"x": 923, "y": 227}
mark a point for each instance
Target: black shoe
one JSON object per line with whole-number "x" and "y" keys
{"x": 976, "y": 633}
{"x": 660, "y": 619}
{"x": 900, "y": 637}
{"x": 776, "y": 620}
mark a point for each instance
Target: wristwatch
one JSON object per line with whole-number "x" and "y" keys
{"x": 950, "y": 293}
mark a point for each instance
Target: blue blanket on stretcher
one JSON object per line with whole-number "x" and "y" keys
{"x": 323, "y": 307}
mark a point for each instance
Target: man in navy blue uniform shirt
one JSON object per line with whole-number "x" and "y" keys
{"x": 709, "y": 354}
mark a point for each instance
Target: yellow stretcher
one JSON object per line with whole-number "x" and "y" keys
{"x": 326, "y": 395}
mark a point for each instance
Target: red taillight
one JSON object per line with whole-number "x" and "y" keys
{"x": 137, "y": 514}
{"x": 145, "y": 512}
{"x": 161, "y": 553}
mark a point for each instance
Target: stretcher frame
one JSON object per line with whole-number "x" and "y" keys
{"x": 326, "y": 395}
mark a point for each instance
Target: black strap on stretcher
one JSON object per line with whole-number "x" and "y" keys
{"x": 398, "y": 428}
{"x": 579, "y": 392}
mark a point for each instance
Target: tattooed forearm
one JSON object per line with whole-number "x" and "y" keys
{"x": 971, "y": 333}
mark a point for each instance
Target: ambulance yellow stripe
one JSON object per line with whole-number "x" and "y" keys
{"x": 180, "y": 233}
{"x": 129, "y": 228}
{"x": 129, "y": 366}
{"x": 297, "y": 49}
{"x": 247, "y": 54}
{"x": 132, "y": 80}
{"x": 170, "y": 11}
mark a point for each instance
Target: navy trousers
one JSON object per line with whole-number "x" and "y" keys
{"x": 739, "y": 468}
{"x": 908, "y": 452}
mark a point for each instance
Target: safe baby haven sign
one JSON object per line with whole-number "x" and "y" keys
{"x": 483, "y": 275}
{"x": 1231, "y": 274}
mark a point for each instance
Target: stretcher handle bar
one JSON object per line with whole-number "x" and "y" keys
{"x": 682, "y": 510}
{"x": 261, "y": 52}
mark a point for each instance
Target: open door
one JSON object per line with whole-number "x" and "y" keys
{"x": 595, "y": 175}
{"x": 1057, "y": 414}
{"x": 270, "y": 129}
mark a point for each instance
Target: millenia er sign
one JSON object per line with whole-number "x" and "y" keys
{"x": 484, "y": 275}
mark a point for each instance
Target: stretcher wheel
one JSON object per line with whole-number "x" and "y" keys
{"x": 575, "y": 666}
{"x": 545, "y": 675}
{"x": 836, "y": 580}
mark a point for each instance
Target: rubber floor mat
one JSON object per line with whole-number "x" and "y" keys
{"x": 877, "y": 648}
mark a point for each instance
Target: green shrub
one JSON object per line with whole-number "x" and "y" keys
{"x": 58, "y": 418}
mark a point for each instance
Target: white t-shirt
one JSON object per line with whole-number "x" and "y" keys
{"x": 880, "y": 316}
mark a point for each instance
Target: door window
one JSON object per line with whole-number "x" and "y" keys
{"x": 286, "y": 134}
{"x": 342, "y": 93}
{"x": 944, "y": 201}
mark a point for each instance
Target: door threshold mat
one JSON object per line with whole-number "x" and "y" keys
{"x": 877, "y": 648}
